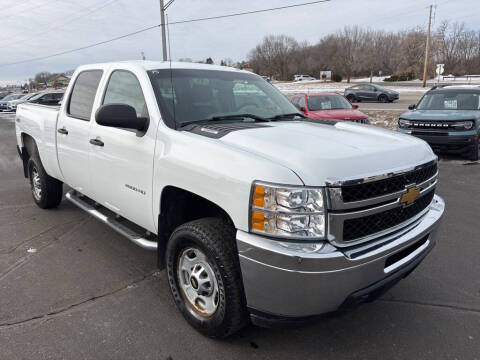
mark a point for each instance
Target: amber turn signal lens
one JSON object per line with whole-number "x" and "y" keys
{"x": 259, "y": 196}
{"x": 258, "y": 220}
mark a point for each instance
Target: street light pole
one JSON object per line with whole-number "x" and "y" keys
{"x": 164, "y": 36}
{"x": 427, "y": 49}
{"x": 164, "y": 7}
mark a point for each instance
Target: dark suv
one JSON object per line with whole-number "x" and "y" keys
{"x": 370, "y": 92}
{"x": 448, "y": 118}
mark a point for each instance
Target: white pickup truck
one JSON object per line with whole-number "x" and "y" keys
{"x": 256, "y": 212}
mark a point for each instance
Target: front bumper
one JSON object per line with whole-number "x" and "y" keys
{"x": 285, "y": 282}
{"x": 452, "y": 142}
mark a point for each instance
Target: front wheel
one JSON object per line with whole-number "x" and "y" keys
{"x": 383, "y": 98}
{"x": 204, "y": 275}
{"x": 474, "y": 153}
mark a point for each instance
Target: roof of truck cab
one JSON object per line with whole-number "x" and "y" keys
{"x": 154, "y": 65}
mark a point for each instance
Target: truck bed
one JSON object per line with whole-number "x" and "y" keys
{"x": 40, "y": 122}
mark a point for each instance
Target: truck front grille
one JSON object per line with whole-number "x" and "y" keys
{"x": 436, "y": 125}
{"x": 364, "y": 226}
{"x": 386, "y": 186}
{"x": 376, "y": 207}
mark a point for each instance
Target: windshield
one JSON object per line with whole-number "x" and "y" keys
{"x": 190, "y": 95}
{"x": 11, "y": 97}
{"x": 328, "y": 103}
{"x": 450, "y": 101}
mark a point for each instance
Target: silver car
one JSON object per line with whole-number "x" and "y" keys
{"x": 6, "y": 99}
{"x": 12, "y": 104}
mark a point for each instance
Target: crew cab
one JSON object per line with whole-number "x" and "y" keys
{"x": 255, "y": 211}
{"x": 448, "y": 118}
{"x": 328, "y": 106}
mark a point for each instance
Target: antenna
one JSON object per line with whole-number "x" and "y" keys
{"x": 171, "y": 74}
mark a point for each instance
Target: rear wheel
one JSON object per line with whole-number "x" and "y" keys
{"x": 46, "y": 191}
{"x": 351, "y": 98}
{"x": 383, "y": 98}
{"x": 204, "y": 275}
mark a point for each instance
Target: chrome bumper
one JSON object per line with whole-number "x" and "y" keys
{"x": 284, "y": 279}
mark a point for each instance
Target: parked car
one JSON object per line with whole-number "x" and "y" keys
{"x": 328, "y": 106}
{"x": 3, "y": 94}
{"x": 12, "y": 104}
{"x": 47, "y": 98}
{"x": 253, "y": 210}
{"x": 370, "y": 92}
{"x": 303, "y": 78}
{"x": 266, "y": 78}
{"x": 448, "y": 118}
{"x": 6, "y": 99}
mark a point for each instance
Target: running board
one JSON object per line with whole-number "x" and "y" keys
{"x": 131, "y": 235}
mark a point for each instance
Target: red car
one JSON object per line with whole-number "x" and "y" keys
{"x": 328, "y": 106}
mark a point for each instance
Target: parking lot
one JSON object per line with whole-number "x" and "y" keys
{"x": 72, "y": 288}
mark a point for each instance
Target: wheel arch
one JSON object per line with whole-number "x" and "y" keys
{"x": 178, "y": 206}
{"x": 29, "y": 147}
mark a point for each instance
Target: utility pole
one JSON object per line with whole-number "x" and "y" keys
{"x": 164, "y": 7}
{"x": 427, "y": 49}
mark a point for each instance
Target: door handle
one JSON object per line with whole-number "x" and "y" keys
{"x": 63, "y": 131}
{"x": 96, "y": 142}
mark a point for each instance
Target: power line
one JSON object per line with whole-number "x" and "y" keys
{"x": 248, "y": 12}
{"x": 158, "y": 25}
{"x": 57, "y": 26}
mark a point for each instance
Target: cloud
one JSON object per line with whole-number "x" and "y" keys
{"x": 37, "y": 28}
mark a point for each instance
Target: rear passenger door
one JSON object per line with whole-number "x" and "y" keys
{"x": 122, "y": 168}
{"x": 73, "y": 128}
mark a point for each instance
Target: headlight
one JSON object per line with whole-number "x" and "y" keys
{"x": 404, "y": 124}
{"x": 287, "y": 212}
{"x": 467, "y": 125}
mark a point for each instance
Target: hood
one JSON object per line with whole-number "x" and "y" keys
{"x": 318, "y": 152}
{"x": 441, "y": 115}
{"x": 338, "y": 114}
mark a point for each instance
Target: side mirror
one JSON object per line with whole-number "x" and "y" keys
{"x": 302, "y": 108}
{"x": 120, "y": 116}
{"x": 412, "y": 107}
{"x": 355, "y": 106}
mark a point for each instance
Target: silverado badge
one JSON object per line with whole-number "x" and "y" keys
{"x": 410, "y": 196}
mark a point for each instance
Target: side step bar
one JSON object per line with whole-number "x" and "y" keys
{"x": 134, "y": 237}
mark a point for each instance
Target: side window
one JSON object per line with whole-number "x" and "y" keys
{"x": 124, "y": 88}
{"x": 83, "y": 94}
{"x": 295, "y": 101}
{"x": 301, "y": 101}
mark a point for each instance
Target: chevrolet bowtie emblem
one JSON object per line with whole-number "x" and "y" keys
{"x": 410, "y": 196}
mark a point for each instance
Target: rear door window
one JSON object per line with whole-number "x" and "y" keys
{"x": 83, "y": 94}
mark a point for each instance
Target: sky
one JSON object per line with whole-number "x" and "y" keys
{"x": 37, "y": 28}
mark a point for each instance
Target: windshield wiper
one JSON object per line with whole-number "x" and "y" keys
{"x": 226, "y": 117}
{"x": 283, "y": 116}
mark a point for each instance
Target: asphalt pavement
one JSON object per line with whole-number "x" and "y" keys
{"x": 71, "y": 288}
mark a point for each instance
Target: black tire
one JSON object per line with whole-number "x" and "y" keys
{"x": 216, "y": 240}
{"x": 47, "y": 192}
{"x": 383, "y": 98}
{"x": 474, "y": 152}
{"x": 351, "y": 98}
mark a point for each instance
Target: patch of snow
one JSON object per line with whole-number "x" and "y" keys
{"x": 315, "y": 87}
{"x": 374, "y": 79}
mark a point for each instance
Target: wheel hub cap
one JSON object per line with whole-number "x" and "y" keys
{"x": 36, "y": 184}
{"x": 198, "y": 282}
